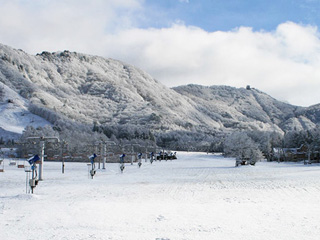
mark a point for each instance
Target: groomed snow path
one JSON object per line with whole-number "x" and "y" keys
{"x": 198, "y": 196}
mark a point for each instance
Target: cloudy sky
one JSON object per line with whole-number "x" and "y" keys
{"x": 271, "y": 45}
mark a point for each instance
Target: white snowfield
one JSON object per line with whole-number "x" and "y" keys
{"x": 198, "y": 196}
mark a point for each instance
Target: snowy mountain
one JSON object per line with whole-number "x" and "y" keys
{"x": 91, "y": 89}
{"x": 249, "y": 108}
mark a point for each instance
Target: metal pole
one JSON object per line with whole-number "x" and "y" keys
{"x": 88, "y": 164}
{"x": 62, "y": 165}
{"x": 34, "y": 166}
{"x": 104, "y": 156}
{"x": 27, "y": 182}
{"x": 101, "y": 154}
{"x": 41, "y": 160}
{"x": 146, "y": 156}
{"x": 92, "y": 169}
{"x": 62, "y": 159}
{"x": 96, "y": 151}
{"x": 132, "y": 156}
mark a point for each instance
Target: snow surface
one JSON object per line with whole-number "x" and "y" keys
{"x": 198, "y": 196}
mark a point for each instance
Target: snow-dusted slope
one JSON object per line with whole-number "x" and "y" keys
{"x": 246, "y": 108}
{"x": 94, "y": 89}
{"x": 14, "y": 114}
{"x": 91, "y": 88}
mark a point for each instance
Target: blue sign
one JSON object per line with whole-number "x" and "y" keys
{"x": 92, "y": 157}
{"x": 33, "y": 159}
{"x": 122, "y": 158}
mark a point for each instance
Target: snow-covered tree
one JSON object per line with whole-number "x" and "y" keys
{"x": 266, "y": 141}
{"x": 240, "y": 145}
{"x": 1, "y": 93}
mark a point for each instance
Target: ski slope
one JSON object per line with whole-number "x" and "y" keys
{"x": 198, "y": 196}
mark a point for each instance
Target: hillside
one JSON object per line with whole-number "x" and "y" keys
{"x": 249, "y": 109}
{"x": 14, "y": 114}
{"x": 91, "y": 89}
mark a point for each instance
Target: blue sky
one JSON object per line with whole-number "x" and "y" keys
{"x": 224, "y": 15}
{"x": 272, "y": 45}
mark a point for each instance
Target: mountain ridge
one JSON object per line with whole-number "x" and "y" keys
{"x": 92, "y": 89}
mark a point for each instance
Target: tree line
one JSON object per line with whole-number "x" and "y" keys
{"x": 244, "y": 144}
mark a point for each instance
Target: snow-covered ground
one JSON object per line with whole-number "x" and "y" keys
{"x": 198, "y": 196}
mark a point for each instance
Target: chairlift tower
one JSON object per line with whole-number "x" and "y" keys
{"x": 42, "y": 142}
{"x": 105, "y": 144}
{"x": 103, "y": 151}
{"x": 133, "y": 156}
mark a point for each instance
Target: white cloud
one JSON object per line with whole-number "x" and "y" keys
{"x": 284, "y": 63}
{"x": 63, "y": 24}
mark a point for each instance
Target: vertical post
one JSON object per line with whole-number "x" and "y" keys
{"x": 89, "y": 165}
{"x": 27, "y": 178}
{"x": 101, "y": 154}
{"x": 132, "y": 156}
{"x": 92, "y": 168}
{"x": 104, "y": 156}
{"x": 62, "y": 159}
{"x": 146, "y": 156}
{"x": 33, "y": 180}
{"x": 96, "y": 151}
{"x": 41, "y": 160}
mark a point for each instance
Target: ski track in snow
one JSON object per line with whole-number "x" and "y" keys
{"x": 198, "y": 196}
